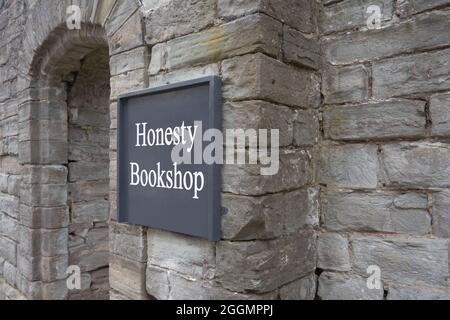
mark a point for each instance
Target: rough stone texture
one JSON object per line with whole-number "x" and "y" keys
{"x": 398, "y": 292}
{"x": 441, "y": 214}
{"x": 430, "y": 30}
{"x": 271, "y": 55}
{"x": 302, "y": 289}
{"x": 190, "y": 256}
{"x": 264, "y": 265}
{"x": 255, "y": 33}
{"x": 297, "y": 14}
{"x": 381, "y": 212}
{"x": 440, "y": 115}
{"x": 261, "y": 77}
{"x": 351, "y": 14}
{"x": 248, "y": 218}
{"x": 410, "y": 7}
{"x": 384, "y": 120}
{"x": 352, "y": 166}
{"x": 170, "y": 19}
{"x": 341, "y": 286}
{"x": 333, "y": 253}
{"x": 294, "y": 172}
{"x": 420, "y": 73}
{"x": 345, "y": 84}
{"x": 405, "y": 261}
{"x": 260, "y": 115}
{"x": 417, "y": 164}
{"x": 300, "y": 49}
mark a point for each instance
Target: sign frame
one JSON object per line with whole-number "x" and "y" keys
{"x": 214, "y": 171}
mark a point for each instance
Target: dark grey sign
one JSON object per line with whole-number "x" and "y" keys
{"x": 154, "y": 191}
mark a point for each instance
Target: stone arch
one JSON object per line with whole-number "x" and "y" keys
{"x": 47, "y": 74}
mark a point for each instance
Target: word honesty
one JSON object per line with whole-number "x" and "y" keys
{"x": 165, "y": 137}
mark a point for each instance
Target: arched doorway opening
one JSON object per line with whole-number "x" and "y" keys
{"x": 64, "y": 147}
{"x": 88, "y": 173}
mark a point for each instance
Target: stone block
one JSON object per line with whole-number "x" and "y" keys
{"x": 376, "y": 121}
{"x": 268, "y": 217}
{"x": 255, "y": 33}
{"x": 261, "y": 77}
{"x": 350, "y": 166}
{"x": 440, "y": 115}
{"x": 411, "y": 75}
{"x": 333, "y": 253}
{"x": 345, "y": 84}
{"x": 188, "y": 255}
{"x": 176, "y": 18}
{"x": 417, "y": 164}
{"x": 441, "y": 214}
{"x": 341, "y": 286}
{"x": 379, "y": 212}
{"x": 262, "y": 266}
{"x": 417, "y": 262}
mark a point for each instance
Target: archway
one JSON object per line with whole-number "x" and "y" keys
{"x": 64, "y": 147}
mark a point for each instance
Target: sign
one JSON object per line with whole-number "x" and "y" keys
{"x": 154, "y": 190}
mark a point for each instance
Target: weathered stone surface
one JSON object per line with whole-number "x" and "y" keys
{"x": 405, "y": 261}
{"x": 398, "y": 292}
{"x": 129, "y": 81}
{"x": 47, "y": 269}
{"x": 300, "y": 49}
{"x": 390, "y": 119}
{"x": 294, "y": 172}
{"x": 92, "y": 211}
{"x": 42, "y": 242}
{"x": 255, "y": 33}
{"x": 45, "y": 174}
{"x": 128, "y": 241}
{"x": 441, "y": 214}
{"x": 381, "y": 212}
{"x": 9, "y": 205}
{"x": 351, "y": 14}
{"x": 306, "y": 128}
{"x": 127, "y": 277}
{"x": 345, "y": 84}
{"x": 262, "y": 266}
{"x": 88, "y": 190}
{"x": 8, "y": 226}
{"x": 129, "y": 36}
{"x": 406, "y": 75}
{"x": 422, "y": 164}
{"x": 45, "y": 218}
{"x": 352, "y": 166}
{"x": 410, "y": 7}
{"x": 333, "y": 254}
{"x": 128, "y": 61}
{"x": 303, "y": 289}
{"x": 43, "y": 195}
{"x": 389, "y": 41}
{"x": 440, "y": 115}
{"x": 166, "y": 285}
{"x": 170, "y": 19}
{"x": 260, "y": 115}
{"x": 42, "y": 152}
{"x": 181, "y": 74}
{"x": 270, "y": 216}
{"x": 87, "y": 171}
{"x": 295, "y": 13}
{"x": 340, "y": 286}
{"x": 188, "y": 255}
{"x": 8, "y": 249}
{"x": 261, "y": 77}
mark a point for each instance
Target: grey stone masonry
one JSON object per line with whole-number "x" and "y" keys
{"x": 363, "y": 116}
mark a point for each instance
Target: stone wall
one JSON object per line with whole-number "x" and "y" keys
{"x": 363, "y": 180}
{"x": 384, "y": 155}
